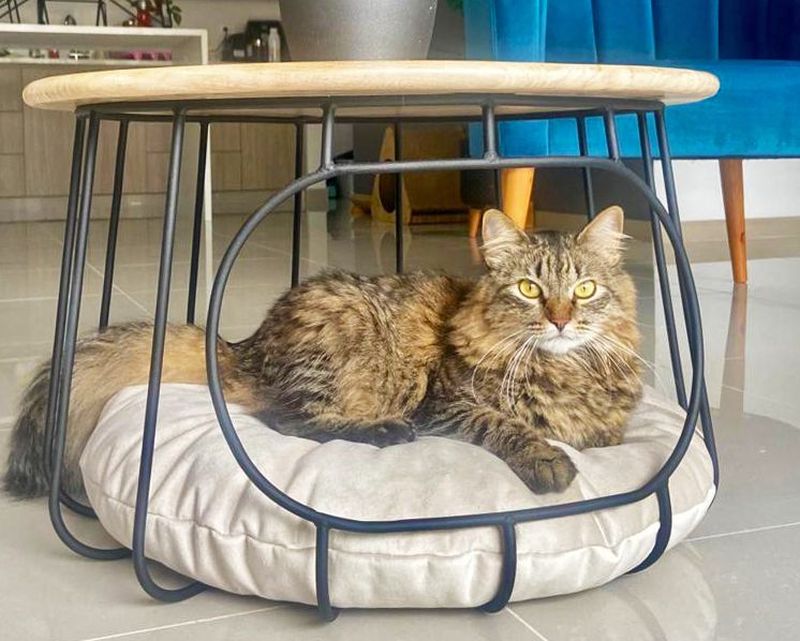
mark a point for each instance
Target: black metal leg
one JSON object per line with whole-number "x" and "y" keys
{"x": 661, "y": 268}
{"x": 63, "y": 297}
{"x": 398, "y": 202}
{"x": 686, "y": 298}
{"x": 662, "y": 491}
{"x": 101, "y": 16}
{"x": 497, "y": 178}
{"x": 611, "y": 135}
{"x": 297, "y": 214}
{"x": 63, "y": 374}
{"x": 326, "y": 611}
{"x": 489, "y": 126}
{"x": 63, "y": 288}
{"x": 154, "y": 382}
{"x": 664, "y": 529}
{"x": 583, "y": 147}
{"x": 12, "y": 11}
{"x": 509, "y": 569}
{"x": 113, "y": 224}
{"x": 41, "y": 12}
{"x": 199, "y": 201}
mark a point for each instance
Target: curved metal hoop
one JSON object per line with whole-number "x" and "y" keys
{"x": 658, "y": 484}
{"x": 407, "y": 525}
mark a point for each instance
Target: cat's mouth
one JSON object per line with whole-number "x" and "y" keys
{"x": 562, "y": 342}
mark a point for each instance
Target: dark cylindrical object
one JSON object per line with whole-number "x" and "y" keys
{"x": 358, "y": 30}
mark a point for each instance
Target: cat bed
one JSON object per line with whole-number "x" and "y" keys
{"x": 207, "y": 521}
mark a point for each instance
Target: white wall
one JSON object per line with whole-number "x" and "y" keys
{"x": 771, "y": 188}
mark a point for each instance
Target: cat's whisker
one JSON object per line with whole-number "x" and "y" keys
{"x": 612, "y": 348}
{"x": 510, "y": 373}
{"x": 606, "y": 362}
{"x": 502, "y": 343}
{"x": 627, "y": 350}
{"x": 519, "y": 356}
{"x": 528, "y": 356}
{"x": 622, "y": 347}
{"x": 506, "y": 376}
{"x": 497, "y": 348}
{"x": 613, "y": 358}
{"x": 576, "y": 357}
{"x": 531, "y": 352}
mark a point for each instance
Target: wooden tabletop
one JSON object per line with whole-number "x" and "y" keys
{"x": 418, "y": 78}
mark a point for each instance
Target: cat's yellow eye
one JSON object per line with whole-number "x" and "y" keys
{"x": 529, "y": 289}
{"x": 586, "y": 289}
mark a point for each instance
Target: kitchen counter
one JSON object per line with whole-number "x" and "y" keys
{"x": 35, "y": 146}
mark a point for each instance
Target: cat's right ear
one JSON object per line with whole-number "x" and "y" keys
{"x": 604, "y": 233}
{"x": 501, "y": 238}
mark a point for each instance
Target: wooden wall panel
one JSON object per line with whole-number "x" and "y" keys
{"x": 244, "y": 157}
{"x": 267, "y": 156}
{"x": 136, "y": 159}
{"x": 48, "y": 152}
{"x": 226, "y": 137}
{"x": 10, "y": 89}
{"x": 156, "y": 172}
{"x": 11, "y": 139}
{"x": 12, "y": 175}
{"x": 226, "y": 170}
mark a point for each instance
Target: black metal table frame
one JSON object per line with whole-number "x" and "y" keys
{"x": 180, "y": 113}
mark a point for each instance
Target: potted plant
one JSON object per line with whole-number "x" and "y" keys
{"x": 358, "y": 29}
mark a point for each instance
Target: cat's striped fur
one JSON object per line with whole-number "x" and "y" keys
{"x": 383, "y": 359}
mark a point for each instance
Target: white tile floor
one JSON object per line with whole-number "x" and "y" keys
{"x": 737, "y": 578}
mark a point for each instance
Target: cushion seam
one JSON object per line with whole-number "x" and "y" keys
{"x": 382, "y": 554}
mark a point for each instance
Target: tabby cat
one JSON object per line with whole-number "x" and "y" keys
{"x": 543, "y": 346}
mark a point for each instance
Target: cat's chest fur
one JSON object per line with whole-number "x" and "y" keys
{"x": 564, "y": 399}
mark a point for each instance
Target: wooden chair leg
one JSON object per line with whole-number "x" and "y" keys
{"x": 474, "y": 223}
{"x": 517, "y": 190}
{"x": 732, "y": 178}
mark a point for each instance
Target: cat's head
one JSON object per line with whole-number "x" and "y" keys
{"x": 564, "y": 289}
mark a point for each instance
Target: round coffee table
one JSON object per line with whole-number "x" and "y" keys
{"x": 330, "y": 92}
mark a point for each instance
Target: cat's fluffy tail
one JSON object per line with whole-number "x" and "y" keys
{"x": 105, "y": 364}
{"x": 25, "y": 476}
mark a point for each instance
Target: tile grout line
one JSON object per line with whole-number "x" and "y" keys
{"x": 170, "y": 626}
{"x": 759, "y": 397}
{"x": 19, "y": 359}
{"x": 31, "y": 299}
{"x": 525, "y": 624}
{"x": 119, "y": 289}
{"x": 752, "y": 530}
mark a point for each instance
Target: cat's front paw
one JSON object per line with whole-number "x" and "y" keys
{"x": 546, "y": 469}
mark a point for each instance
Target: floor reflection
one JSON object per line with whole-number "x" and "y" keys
{"x": 672, "y": 601}
{"x": 731, "y": 402}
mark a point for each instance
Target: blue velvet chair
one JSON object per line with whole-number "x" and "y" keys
{"x": 753, "y": 46}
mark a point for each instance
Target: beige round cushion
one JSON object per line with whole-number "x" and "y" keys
{"x": 207, "y": 521}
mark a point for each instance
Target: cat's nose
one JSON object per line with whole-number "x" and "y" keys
{"x": 558, "y": 312}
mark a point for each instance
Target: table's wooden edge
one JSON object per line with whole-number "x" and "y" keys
{"x": 326, "y": 80}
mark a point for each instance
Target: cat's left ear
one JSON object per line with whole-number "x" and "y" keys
{"x": 501, "y": 238}
{"x": 603, "y": 234}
